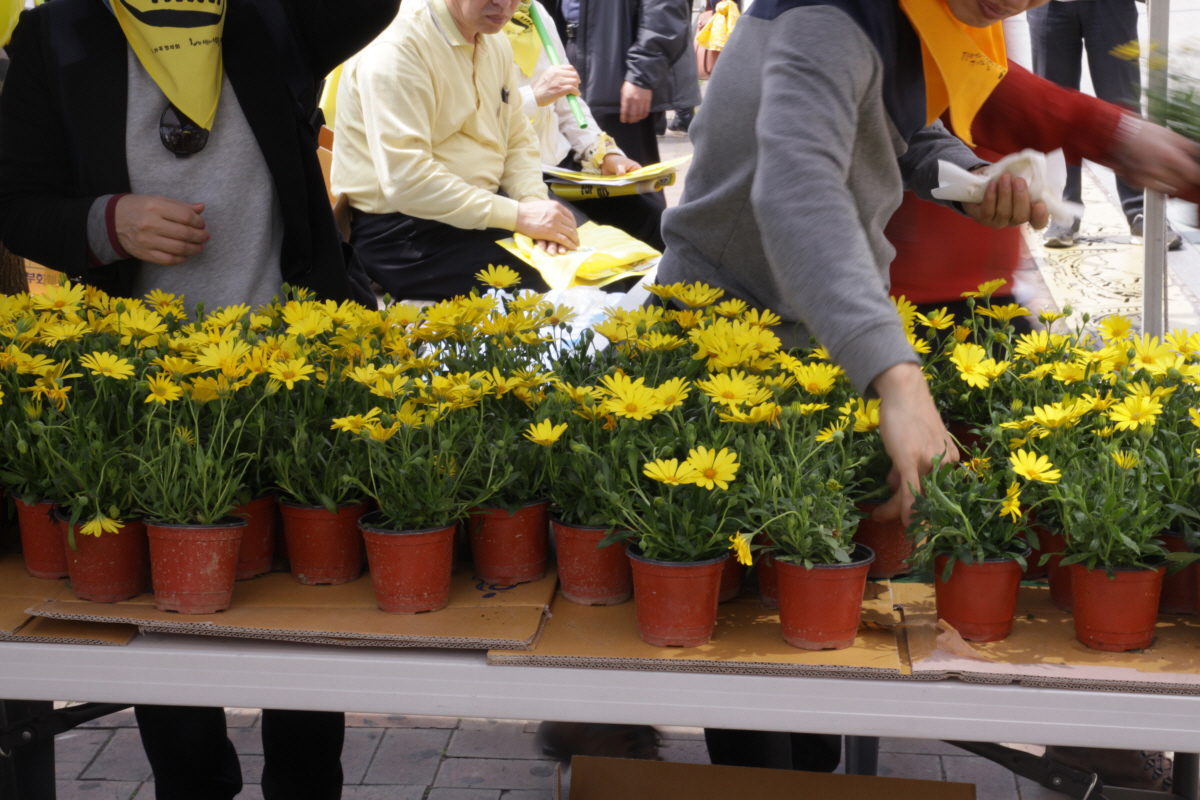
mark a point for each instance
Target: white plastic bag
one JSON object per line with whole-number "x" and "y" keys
{"x": 1046, "y": 175}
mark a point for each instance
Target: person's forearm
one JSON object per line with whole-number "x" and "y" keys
{"x": 1025, "y": 111}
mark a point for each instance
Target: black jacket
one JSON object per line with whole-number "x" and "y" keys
{"x": 62, "y": 130}
{"x": 645, "y": 42}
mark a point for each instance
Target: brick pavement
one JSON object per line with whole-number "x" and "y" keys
{"x": 394, "y": 757}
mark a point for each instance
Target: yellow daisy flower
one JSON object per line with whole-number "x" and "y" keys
{"x": 670, "y": 472}
{"x": 500, "y": 277}
{"x": 545, "y": 433}
{"x": 1125, "y": 459}
{"x": 1135, "y": 411}
{"x": 108, "y": 365}
{"x": 712, "y": 468}
{"x": 740, "y": 545}
{"x": 1033, "y": 467}
{"x": 163, "y": 390}
{"x": 1012, "y": 503}
{"x": 290, "y": 372}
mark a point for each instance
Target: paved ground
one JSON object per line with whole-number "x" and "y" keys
{"x": 443, "y": 758}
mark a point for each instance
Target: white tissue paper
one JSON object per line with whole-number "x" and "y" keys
{"x": 1046, "y": 175}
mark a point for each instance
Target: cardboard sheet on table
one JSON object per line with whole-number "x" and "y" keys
{"x": 747, "y": 640}
{"x": 1043, "y": 650}
{"x": 19, "y": 591}
{"x": 275, "y": 606}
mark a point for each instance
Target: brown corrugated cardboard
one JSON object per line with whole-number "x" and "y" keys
{"x": 747, "y": 641}
{"x": 624, "y": 779}
{"x": 275, "y": 606}
{"x": 19, "y": 591}
{"x": 1043, "y": 650}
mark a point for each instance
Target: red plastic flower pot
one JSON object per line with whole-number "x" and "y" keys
{"x": 888, "y": 541}
{"x": 110, "y": 567}
{"x": 819, "y": 608}
{"x": 1034, "y": 570}
{"x": 1178, "y": 590}
{"x": 410, "y": 570}
{"x": 768, "y": 576}
{"x": 1059, "y": 576}
{"x": 258, "y": 537}
{"x": 194, "y": 566}
{"x": 731, "y": 580}
{"x": 41, "y": 540}
{"x": 588, "y": 574}
{"x": 676, "y": 603}
{"x": 965, "y": 435}
{"x": 510, "y": 548}
{"x": 979, "y": 600}
{"x": 323, "y": 548}
{"x": 1119, "y": 613}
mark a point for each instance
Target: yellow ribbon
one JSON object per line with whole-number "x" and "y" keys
{"x": 181, "y": 49}
{"x": 962, "y": 64}
{"x": 716, "y": 33}
{"x": 526, "y": 44}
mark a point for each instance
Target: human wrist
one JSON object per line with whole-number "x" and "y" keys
{"x": 1125, "y": 137}
{"x": 900, "y": 379}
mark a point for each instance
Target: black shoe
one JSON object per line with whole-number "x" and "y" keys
{"x": 1137, "y": 226}
{"x": 682, "y": 120}
{"x": 1062, "y": 236}
{"x": 660, "y": 125}
{"x": 563, "y": 740}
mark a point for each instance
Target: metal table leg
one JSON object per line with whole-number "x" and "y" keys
{"x": 862, "y": 755}
{"x": 1186, "y": 782}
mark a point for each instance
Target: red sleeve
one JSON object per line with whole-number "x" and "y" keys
{"x": 1025, "y": 111}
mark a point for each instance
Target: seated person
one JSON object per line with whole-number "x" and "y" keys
{"x": 435, "y": 154}
{"x": 544, "y": 91}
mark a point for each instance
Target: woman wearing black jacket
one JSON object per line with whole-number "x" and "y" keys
{"x": 64, "y": 143}
{"x": 103, "y": 178}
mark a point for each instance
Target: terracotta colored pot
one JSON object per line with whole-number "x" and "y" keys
{"x": 258, "y": 537}
{"x": 193, "y": 566}
{"x": 888, "y": 541}
{"x": 110, "y": 567}
{"x": 676, "y": 603}
{"x": 979, "y": 600}
{"x": 1034, "y": 570}
{"x": 1116, "y": 614}
{"x": 819, "y": 608}
{"x": 1178, "y": 590}
{"x": 410, "y": 570}
{"x": 590, "y": 575}
{"x": 323, "y": 548}
{"x": 511, "y": 548}
{"x": 41, "y": 540}
{"x": 1059, "y": 576}
{"x": 731, "y": 580}
{"x": 768, "y": 576}
{"x": 965, "y": 435}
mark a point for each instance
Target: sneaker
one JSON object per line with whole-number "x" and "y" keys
{"x": 1061, "y": 236}
{"x": 682, "y": 120}
{"x": 1129, "y": 769}
{"x": 1137, "y": 226}
{"x": 563, "y": 740}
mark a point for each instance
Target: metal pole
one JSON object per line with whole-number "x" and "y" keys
{"x": 1154, "y": 276}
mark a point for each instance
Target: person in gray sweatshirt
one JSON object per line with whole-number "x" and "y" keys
{"x": 814, "y": 123}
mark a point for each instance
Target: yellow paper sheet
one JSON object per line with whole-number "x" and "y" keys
{"x": 605, "y": 254}
{"x": 644, "y": 174}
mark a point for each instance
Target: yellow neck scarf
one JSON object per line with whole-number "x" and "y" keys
{"x": 716, "y": 33}
{"x": 962, "y": 64}
{"x": 181, "y": 49}
{"x": 523, "y": 36}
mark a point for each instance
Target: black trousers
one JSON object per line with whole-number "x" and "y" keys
{"x": 1059, "y": 33}
{"x": 420, "y": 259}
{"x": 638, "y": 140}
{"x": 193, "y": 758}
{"x": 807, "y": 752}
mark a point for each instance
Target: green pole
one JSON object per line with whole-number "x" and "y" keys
{"x": 552, "y": 54}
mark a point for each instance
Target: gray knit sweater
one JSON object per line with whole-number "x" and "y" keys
{"x": 797, "y": 170}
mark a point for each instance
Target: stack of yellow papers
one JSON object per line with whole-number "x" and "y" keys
{"x": 605, "y": 254}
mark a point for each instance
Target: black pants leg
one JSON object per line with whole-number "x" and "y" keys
{"x": 419, "y": 259}
{"x": 303, "y": 754}
{"x": 638, "y": 140}
{"x": 1059, "y": 32}
{"x": 807, "y": 752}
{"x": 191, "y": 756}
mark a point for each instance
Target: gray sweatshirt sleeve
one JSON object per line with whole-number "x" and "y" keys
{"x": 919, "y": 165}
{"x": 97, "y": 232}
{"x": 819, "y": 68}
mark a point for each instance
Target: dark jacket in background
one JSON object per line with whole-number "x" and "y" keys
{"x": 62, "y": 130}
{"x": 645, "y": 42}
